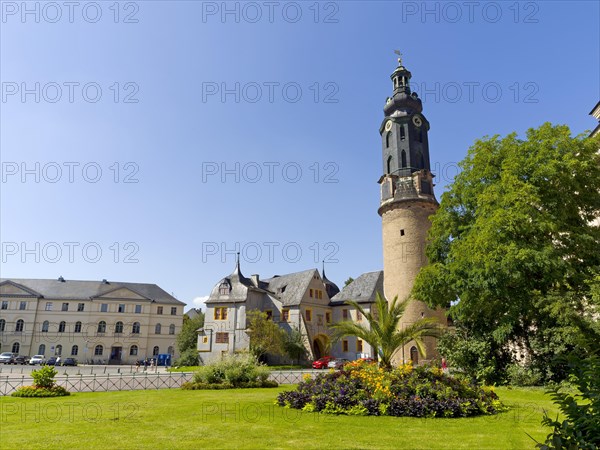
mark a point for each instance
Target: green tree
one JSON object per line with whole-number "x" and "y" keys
{"x": 381, "y": 329}
{"x": 187, "y": 340}
{"x": 265, "y": 335}
{"x": 294, "y": 344}
{"x": 512, "y": 247}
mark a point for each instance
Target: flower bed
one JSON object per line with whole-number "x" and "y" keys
{"x": 365, "y": 389}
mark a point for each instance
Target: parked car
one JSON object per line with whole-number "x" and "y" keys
{"x": 321, "y": 363}
{"x": 337, "y": 363}
{"x": 368, "y": 360}
{"x": 20, "y": 359}
{"x": 37, "y": 359}
{"x": 69, "y": 362}
{"x": 51, "y": 361}
{"x": 8, "y": 358}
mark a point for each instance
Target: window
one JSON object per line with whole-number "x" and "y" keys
{"x": 77, "y": 327}
{"x": 58, "y": 350}
{"x": 138, "y": 309}
{"x": 344, "y": 314}
{"x": 62, "y": 326}
{"x": 135, "y": 329}
{"x": 2, "y": 325}
{"x": 174, "y": 310}
{"x": 45, "y": 326}
{"x": 23, "y": 306}
{"x": 224, "y": 288}
{"x": 402, "y": 133}
{"x": 48, "y": 306}
{"x": 358, "y": 316}
{"x": 104, "y": 307}
{"x": 402, "y": 233}
{"x": 269, "y": 314}
{"x": 157, "y": 328}
{"x": 19, "y": 325}
{"x": 171, "y": 329}
{"x": 222, "y": 338}
{"x": 359, "y": 346}
{"x": 414, "y": 355}
{"x": 155, "y": 351}
{"x": 42, "y": 349}
{"x": 74, "y": 350}
{"x": 344, "y": 345}
{"x": 285, "y": 315}
{"x": 65, "y": 307}
{"x": 328, "y": 317}
{"x": 159, "y": 310}
{"x": 320, "y": 295}
{"x": 388, "y": 138}
{"x": 4, "y": 304}
{"x": 133, "y": 350}
{"x": 121, "y": 308}
{"x": 221, "y": 313}
{"x": 98, "y": 350}
{"x": 102, "y": 326}
{"x": 389, "y": 164}
{"x": 80, "y": 307}
{"x": 16, "y": 347}
{"x": 310, "y": 293}
{"x": 119, "y": 327}
{"x": 308, "y": 315}
{"x": 403, "y": 158}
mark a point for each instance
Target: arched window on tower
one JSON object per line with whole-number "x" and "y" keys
{"x": 389, "y": 164}
{"x": 388, "y": 139}
{"x": 402, "y": 133}
{"x": 414, "y": 355}
{"x": 403, "y": 156}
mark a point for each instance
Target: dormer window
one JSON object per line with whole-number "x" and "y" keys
{"x": 224, "y": 288}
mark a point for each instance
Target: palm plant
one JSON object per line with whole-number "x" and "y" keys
{"x": 383, "y": 332}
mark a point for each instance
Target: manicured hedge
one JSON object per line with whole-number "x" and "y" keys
{"x": 34, "y": 391}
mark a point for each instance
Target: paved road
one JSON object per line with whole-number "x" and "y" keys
{"x": 11, "y": 370}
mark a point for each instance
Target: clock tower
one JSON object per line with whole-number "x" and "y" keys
{"x": 407, "y": 201}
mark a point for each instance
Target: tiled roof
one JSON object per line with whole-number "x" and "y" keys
{"x": 361, "y": 290}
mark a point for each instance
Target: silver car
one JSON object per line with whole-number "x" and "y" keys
{"x": 37, "y": 359}
{"x": 8, "y": 358}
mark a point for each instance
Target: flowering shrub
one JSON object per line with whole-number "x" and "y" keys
{"x": 363, "y": 388}
{"x": 43, "y": 385}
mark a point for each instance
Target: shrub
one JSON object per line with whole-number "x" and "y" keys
{"x": 188, "y": 358}
{"x": 523, "y": 376}
{"x": 237, "y": 371}
{"x": 365, "y": 389}
{"x": 44, "y": 377}
{"x": 33, "y": 391}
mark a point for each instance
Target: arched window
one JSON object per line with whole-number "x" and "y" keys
{"x": 157, "y": 328}
{"x": 119, "y": 327}
{"x": 133, "y": 350}
{"x": 388, "y": 139}
{"x": 171, "y": 350}
{"x": 16, "y": 347}
{"x": 77, "y": 327}
{"x": 19, "y": 325}
{"x": 45, "y": 326}
{"x": 171, "y": 329}
{"x": 2, "y": 325}
{"x": 135, "y": 329}
{"x": 403, "y": 156}
{"x": 59, "y": 350}
{"x": 42, "y": 349}
{"x": 389, "y": 164}
{"x": 414, "y": 355}
{"x": 98, "y": 350}
{"x": 402, "y": 133}
{"x": 102, "y": 326}
{"x": 155, "y": 351}
{"x": 62, "y": 326}
{"x": 74, "y": 350}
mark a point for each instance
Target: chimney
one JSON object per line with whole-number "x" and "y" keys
{"x": 61, "y": 279}
{"x": 255, "y": 280}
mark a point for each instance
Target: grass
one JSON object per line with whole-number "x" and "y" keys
{"x": 247, "y": 418}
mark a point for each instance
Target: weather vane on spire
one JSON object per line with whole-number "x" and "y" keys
{"x": 397, "y": 52}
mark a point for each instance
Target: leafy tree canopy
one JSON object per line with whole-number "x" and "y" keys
{"x": 512, "y": 246}
{"x": 265, "y": 335}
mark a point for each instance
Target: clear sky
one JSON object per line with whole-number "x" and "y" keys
{"x": 145, "y": 141}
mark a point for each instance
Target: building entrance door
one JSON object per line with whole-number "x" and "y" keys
{"x": 115, "y": 355}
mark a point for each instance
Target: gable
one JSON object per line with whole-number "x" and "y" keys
{"x": 9, "y": 288}
{"x": 121, "y": 293}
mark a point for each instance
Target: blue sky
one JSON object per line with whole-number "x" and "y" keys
{"x": 113, "y": 160}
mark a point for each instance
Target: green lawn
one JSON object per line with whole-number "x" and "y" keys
{"x": 247, "y": 418}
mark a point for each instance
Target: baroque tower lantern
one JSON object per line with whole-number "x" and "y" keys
{"x": 407, "y": 201}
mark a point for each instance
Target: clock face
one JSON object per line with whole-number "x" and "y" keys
{"x": 388, "y": 125}
{"x": 417, "y": 121}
